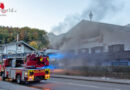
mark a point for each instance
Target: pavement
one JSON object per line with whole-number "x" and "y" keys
{"x": 72, "y": 84}
{"x": 4, "y": 85}
{"x": 63, "y": 82}
{"x": 95, "y": 79}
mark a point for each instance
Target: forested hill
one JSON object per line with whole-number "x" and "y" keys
{"x": 35, "y": 37}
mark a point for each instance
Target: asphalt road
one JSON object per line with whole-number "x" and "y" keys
{"x": 69, "y": 84}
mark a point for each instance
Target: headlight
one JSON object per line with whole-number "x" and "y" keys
{"x": 47, "y": 72}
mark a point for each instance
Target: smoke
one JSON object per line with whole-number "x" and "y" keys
{"x": 68, "y": 23}
{"x": 102, "y": 8}
{"x": 102, "y": 11}
{"x": 110, "y": 11}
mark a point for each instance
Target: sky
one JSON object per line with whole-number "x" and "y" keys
{"x": 59, "y": 16}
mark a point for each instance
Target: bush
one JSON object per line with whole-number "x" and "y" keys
{"x": 117, "y": 72}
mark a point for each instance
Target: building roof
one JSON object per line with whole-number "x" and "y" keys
{"x": 21, "y": 42}
{"x": 88, "y": 31}
{"x": 90, "y": 28}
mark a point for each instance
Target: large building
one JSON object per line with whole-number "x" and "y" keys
{"x": 96, "y": 42}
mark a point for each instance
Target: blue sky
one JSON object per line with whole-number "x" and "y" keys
{"x": 60, "y": 15}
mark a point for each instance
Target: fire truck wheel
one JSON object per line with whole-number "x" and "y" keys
{"x": 18, "y": 79}
{"x": 38, "y": 81}
{"x": 3, "y": 76}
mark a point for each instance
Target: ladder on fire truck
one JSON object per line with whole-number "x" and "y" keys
{"x": 21, "y": 55}
{"x": 18, "y": 55}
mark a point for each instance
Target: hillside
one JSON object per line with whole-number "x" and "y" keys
{"x": 35, "y": 37}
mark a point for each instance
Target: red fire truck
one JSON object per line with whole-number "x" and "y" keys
{"x": 33, "y": 67}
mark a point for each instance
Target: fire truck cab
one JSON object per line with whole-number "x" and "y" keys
{"x": 28, "y": 69}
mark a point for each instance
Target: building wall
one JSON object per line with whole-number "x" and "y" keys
{"x": 105, "y": 40}
{"x": 117, "y": 37}
{"x": 9, "y": 49}
{"x": 20, "y": 48}
{"x": 13, "y": 49}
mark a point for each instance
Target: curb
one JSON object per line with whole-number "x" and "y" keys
{"x": 74, "y": 78}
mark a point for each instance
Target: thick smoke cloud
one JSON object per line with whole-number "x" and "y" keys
{"x": 103, "y": 10}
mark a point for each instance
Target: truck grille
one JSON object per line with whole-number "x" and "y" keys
{"x": 39, "y": 78}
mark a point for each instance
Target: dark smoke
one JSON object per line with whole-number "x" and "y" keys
{"x": 101, "y": 9}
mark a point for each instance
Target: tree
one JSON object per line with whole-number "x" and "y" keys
{"x": 34, "y": 44}
{"x": 36, "y": 37}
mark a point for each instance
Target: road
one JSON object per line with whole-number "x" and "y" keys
{"x": 69, "y": 84}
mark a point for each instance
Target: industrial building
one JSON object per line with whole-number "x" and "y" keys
{"x": 96, "y": 43}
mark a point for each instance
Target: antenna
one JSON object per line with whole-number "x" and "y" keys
{"x": 90, "y": 15}
{"x": 17, "y": 37}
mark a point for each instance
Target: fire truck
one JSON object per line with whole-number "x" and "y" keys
{"x": 25, "y": 68}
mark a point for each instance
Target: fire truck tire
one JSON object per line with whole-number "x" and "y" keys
{"x": 18, "y": 79}
{"x": 3, "y": 77}
{"x": 38, "y": 81}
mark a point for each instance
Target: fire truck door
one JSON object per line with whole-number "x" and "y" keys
{"x": 12, "y": 75}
